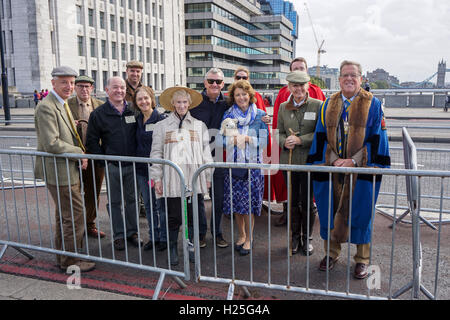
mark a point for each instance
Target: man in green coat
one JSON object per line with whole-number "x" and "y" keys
{"x": 56, "y": 133}
{"x": 297, "y": 118}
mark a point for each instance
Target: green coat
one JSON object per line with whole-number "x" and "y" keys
{"x": 294, "y": 118}
{"x": 55, "y": 135}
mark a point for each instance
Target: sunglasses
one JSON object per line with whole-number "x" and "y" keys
{"x": 217, "y": 81}
{"x": 239, "y": 78}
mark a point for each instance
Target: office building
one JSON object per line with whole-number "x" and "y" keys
{"x": 94, "y": 37}
{"x": 227, "y": 34}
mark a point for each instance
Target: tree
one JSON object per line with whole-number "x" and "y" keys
{"x": 318, "y": 82}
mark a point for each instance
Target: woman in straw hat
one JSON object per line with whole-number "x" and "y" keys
{"x": 183, "y": 140}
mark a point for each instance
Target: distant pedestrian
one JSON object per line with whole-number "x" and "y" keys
{"x": 37, "y": 97}
{"x": 367, "y": 85}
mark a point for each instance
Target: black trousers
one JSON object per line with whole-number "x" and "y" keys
{"x": 299, "y": 204}
{"x": 175, "y": 210}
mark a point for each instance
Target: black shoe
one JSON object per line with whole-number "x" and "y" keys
{"x": 149, "y": 245}
{"x": 238, "y": 247}
{"x": 161, "y": 246}
{"x": 307, "y": 250}
{"x": 244, "y": 252}
{"x": 119, "y": 244}
{"x": 295, "y": 245}
{"x": 135, "y": 240}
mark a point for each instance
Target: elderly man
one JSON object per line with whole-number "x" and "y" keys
{"x": 81, "y": 107}
{"x": 211, "y": 111}
{"x": 350, "y": 133}
{"x": 297, "y": 120}
{"x": 56, "y": 133}
{"x": 278, "y": 184}
{"x": 112, "y": 131}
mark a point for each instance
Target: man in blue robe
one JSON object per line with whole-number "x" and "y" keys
{"x": 350, "y": 132}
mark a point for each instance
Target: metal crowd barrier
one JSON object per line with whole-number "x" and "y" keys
{"x": 270, "y": 266}
{"x": 27, "y": 217}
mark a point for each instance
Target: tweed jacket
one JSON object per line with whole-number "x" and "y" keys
{"x": 301, "y": 120}
{"x": 55, "y": 135}
{"x": 73, "y": 105}
{"x": 188, "y": 148}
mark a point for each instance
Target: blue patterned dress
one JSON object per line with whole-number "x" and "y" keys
{"x": 240, "y": 188}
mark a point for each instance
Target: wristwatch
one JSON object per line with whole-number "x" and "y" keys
{"x": 354, "y": 162}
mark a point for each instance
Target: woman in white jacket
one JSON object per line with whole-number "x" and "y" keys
{"x": 183, "y": 140}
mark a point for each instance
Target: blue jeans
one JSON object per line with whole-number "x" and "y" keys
{"x": 159, "y": 215}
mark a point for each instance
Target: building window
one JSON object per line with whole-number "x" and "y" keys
{"x": 161, "y": 56}
{"x": 112, "y": 22}
{"x": 104, "y": 55}
{"x": 130, "y": 27}
{"x": 123, "y": 51}
{"x": 102, "y": 20}
{"x": 91, "y": 17}
{"x": 122, "y": 25}
{"x": 132, "y": 52}
{"x": 113, "y": 50}
{"x": 92, "y": 47}
{"x": 80, "y": 46}
{"x": 79, "y": 15}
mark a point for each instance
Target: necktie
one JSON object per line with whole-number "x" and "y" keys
{"x": 343, "y": 127}
{"x": 72, "y": 124}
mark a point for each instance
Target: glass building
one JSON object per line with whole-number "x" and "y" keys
{"x": 233, "y": 33}
{"x": 285, "y": 8}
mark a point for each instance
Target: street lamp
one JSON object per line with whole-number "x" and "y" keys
{"x": 4, "y": 80}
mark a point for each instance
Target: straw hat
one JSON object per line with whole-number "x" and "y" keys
{"x": 165, "y": 99}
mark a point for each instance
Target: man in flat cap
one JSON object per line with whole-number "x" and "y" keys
{"x": 297, "y": 118}
{"x": 56, "y": 133}
{"x": 133, "y": 80}
{"x": 81, "y": 106}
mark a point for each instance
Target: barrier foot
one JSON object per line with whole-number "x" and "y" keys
{"x": 410, "y": 286}
{"x": 159, "y": 285}
{"x": 180, "y": 283}
{"x": 230, "y": 291}
{"x": 26, "y": 254}
{"x": 247, "y": 293}
{"x": 399, "y": 219}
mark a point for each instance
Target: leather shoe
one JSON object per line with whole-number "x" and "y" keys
{"x": 135, "y": 240}
{"x": 119, "y": 244}
{"x": 94, "y": 232}
{"x": 361, "y": 271}
{"x": 331, "y": 263}
{"x": 84, "y": 266}
{"x": 295, "y": 245}
{"x": 307, "y": 250}
{"x": 149, "y": 245}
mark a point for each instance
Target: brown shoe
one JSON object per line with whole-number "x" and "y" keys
{"x": 331, "y": 263}
{"x": 85, "y": 266}
{"x": 361, "y": 271}
{"x": 94, "y": 232}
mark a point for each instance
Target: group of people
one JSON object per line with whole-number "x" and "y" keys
{"x": 39, "y": 95}
{"x": 346, "y": 130}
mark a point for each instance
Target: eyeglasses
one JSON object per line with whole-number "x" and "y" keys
{"x": 351, "y": 75}
{"x": 217, "y": 81}
{"x": 240, "y": 77}
{"x": 84, "y": 86}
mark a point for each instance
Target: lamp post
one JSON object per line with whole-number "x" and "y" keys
{"x": 4, "y": 80}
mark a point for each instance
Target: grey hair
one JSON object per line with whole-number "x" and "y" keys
{"x": 181, "y": 93}
{"x": 108, "y": 83}
{"x": 214, "y": 71}
{"x": 351, "y": 63}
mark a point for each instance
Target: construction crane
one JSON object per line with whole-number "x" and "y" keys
{"x": 319, "y": 47}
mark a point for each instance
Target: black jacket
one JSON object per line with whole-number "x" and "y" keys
{"x": 111, "y": 133}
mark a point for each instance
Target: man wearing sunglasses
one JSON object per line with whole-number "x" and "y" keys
{"x": 211, "y": 112}
{"x": 81, "y": 107}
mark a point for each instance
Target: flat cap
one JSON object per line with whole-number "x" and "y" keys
{"x": 298, "y": 77}
{"x": 135, "y": 64}
{"x": 84, "y": 79}
{"x": 64, "y": 71}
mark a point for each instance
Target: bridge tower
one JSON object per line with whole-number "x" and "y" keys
{"x": 442, "y": 68}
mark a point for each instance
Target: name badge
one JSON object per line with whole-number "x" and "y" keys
{"x": 130, "y": 119}
{"x": 149, "y": 127}
{"x": 310, "y": 116}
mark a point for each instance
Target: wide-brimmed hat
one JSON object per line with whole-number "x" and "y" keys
{"x": 165, "y": 99}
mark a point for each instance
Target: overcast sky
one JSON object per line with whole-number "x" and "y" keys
{"x": 407, "y": 38}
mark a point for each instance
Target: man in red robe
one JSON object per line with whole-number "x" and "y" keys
{"x": 277, "y": 181}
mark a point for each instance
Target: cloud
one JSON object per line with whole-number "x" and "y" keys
{"x": 405, "y": 37}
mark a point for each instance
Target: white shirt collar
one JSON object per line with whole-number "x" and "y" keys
{"x": 297, "y": 105}
{"x": 61, "y": 100}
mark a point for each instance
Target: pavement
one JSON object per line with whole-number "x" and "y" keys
{"x": 15, "y": 284}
